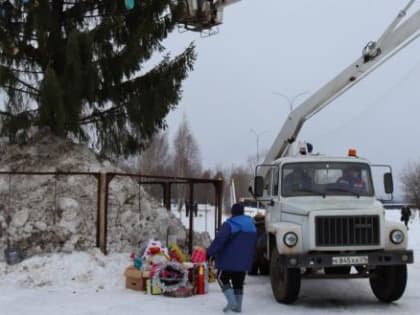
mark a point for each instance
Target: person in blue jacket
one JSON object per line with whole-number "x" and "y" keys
{"x": 233, "y": 251}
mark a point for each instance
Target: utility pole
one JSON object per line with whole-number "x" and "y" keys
{"x": 257, "y": 135}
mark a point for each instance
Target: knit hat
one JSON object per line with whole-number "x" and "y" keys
{"x": 237, "y": 209}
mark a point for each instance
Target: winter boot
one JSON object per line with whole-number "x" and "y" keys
{"x": 239, "y": 294}
{"x": 231, "y": 300}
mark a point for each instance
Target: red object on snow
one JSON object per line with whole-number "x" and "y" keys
{"x": 154, "y": 250}
{"x": 200, "y": 280}
{"x": 198, "y": 255}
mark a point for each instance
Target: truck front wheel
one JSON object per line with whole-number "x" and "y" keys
{"x": 285, "y": 282}
{"x": 388, "y": 282}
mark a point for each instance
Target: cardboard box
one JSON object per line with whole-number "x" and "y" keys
{"x": 145, "y": 274}
{"x": 133, "y": 279}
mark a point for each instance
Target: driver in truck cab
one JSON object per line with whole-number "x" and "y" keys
{"x": 352, "y": 178}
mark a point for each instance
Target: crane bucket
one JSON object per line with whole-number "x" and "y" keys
{"x": 201, "y": 15}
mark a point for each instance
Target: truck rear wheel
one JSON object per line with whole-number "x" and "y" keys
{"x": 388, "y": 282}
{"x": 285, "y": 282}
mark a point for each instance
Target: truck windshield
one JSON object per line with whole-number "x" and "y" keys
{"x": 326, "y": 178}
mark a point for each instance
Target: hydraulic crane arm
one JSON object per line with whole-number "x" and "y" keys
{"x": 396, "y": 37}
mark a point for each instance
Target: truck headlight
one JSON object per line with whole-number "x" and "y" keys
{"x": 396, "y": 236}
{"x": 290, "y": 239}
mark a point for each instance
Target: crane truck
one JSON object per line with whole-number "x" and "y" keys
{"x": 323, "y": 219}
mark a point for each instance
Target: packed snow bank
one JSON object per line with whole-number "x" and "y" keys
{"x": 57, "y": 213}
{"x": 90, "y": 269}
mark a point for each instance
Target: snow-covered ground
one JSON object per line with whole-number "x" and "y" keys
{"x": 92, "y": 284}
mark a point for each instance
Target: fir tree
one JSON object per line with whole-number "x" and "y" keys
{"x": 76, "y": 66}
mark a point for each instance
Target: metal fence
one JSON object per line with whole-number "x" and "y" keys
{"x": 95, "y": 199}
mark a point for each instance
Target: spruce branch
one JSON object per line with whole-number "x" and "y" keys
{"x": 23, "y": 70}
{"x": 15, "y": 89}
{"x": 5, "y": 113}
{"x": 98, "y": 115}
{"x": 15, "y": 78}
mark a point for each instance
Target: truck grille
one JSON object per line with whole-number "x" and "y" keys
{"x": 347, "y": 230}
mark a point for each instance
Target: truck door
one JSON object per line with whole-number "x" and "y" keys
{"x": 270, "y": 183}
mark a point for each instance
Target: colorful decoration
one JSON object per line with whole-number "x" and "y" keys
{"x": 167, "y": 271}
{"x": 154, "y": 254}
{"x": 170, "y": 276}
{"x": 129, "y": 4}
{"x": 152, "y": 288}
{"x": 211, "y": 274}
{"x": 154, "y": 247}
{"x": 198, "y": 255}
{"x": 180, "y": 292}
{"x": 175, "y": 253}
{"x": 138, "y": 263}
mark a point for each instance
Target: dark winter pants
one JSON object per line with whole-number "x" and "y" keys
{"x": 231, "y": 279}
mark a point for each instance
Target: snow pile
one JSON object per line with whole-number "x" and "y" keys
{"x": 47, "y": 213}
{"x": 90, "y": 269}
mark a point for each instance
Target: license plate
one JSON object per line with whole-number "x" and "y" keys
{"x": 350, "y": 260}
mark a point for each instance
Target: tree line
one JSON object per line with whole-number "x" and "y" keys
{"x": 183, "y": 159}
{"x": 410, "y": 179}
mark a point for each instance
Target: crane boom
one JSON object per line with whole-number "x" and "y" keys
{"x": 397, "y": 36}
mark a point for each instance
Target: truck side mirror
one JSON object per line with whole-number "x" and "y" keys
{"x": 258, "y": 186}
{"x": 388, "y": 183}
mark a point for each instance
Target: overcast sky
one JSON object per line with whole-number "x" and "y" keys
{"x": 289, "y": 47}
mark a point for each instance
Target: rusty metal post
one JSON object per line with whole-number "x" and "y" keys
{"x": 191, "y": 213}
{"x": 167, "y": 195}
{"x": 101, "y": 179}
{"x": 219, "y": 200}
{"x": 102, "y": 212}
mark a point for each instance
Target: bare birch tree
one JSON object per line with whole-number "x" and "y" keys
{"x": 410, "y": 179}
{"x": 187, "y": 159}
{"x": 156, "y": 160}
{"x": 242, "y": 177}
